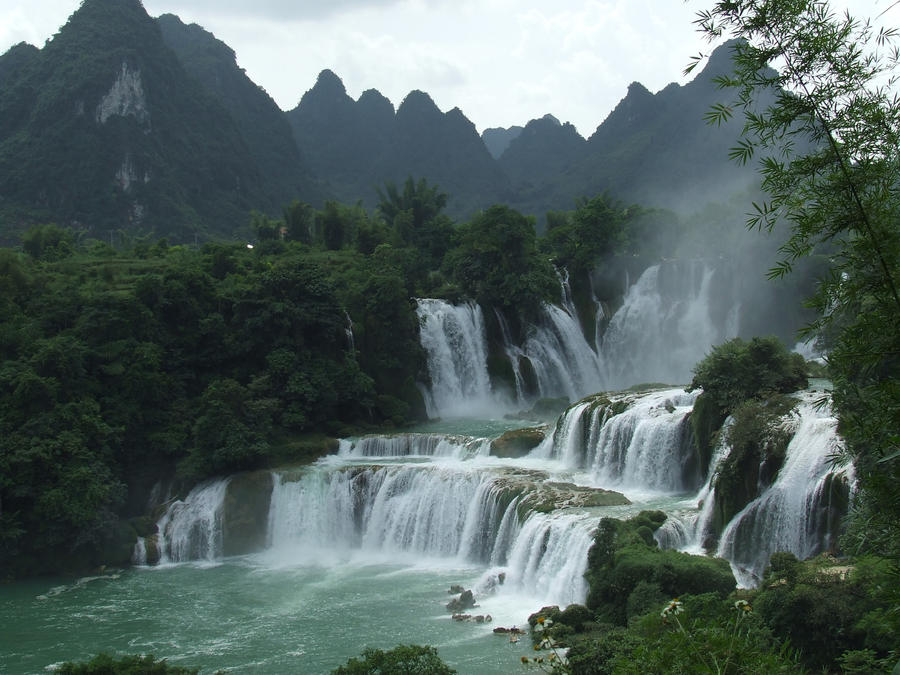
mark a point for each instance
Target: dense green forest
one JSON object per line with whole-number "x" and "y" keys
{"x": 124, "y": 366}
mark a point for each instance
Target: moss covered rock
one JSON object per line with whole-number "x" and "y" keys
{"x": 517, "y": 442}
{"x": 758, "y": 438}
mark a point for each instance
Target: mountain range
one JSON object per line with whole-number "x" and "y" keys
{"x": 123, "y": 122}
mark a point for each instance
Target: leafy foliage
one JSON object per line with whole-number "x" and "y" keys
{"x": 496, "y": 261}
{"x": 104, "y": 664}
{"x": 737, "y": 371}
{"x": 624, "y": 559}
{"x": 828, "y": 148}
{"x": 401, "y": 660}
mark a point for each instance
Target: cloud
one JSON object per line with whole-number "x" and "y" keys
{"x": 274, "y": 10}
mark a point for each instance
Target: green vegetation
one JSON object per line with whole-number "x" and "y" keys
{"x": 828, "y": 148}
{"x": 626, "y": 569}
{"x": 401, "y": 660}
{"x": 735, "y": 372}
{"x": 496, "y": 261}
{"x": 104, "y": 664}
{"x": 758, "y": 438}
{"x": 652, "y": 611}
{"x": 122, "y": 367}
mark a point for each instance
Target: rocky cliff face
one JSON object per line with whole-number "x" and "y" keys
{"x": 104, "y": 129}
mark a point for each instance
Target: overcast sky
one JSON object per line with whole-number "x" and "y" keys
{"x": 502, "y": 62}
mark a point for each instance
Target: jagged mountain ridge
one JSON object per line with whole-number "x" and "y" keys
{"x": 123, "y": 122}
{"x": 356, "y": 146}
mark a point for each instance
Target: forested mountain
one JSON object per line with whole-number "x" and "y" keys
{"x": 356, "y": 146}
{"x": 261, "y": 123}
{"x": 126, "y": 123}
{"x": 652, "y": 149}
{"x": 104, "y": 129}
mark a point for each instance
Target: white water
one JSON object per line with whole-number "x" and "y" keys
{"x": 192, "y": 529}
{"x": 365, "y": 543}
{"x": 664, "y": 326}
{"x": 660, "y": 332}
{"x": 453, "y": 337}
{"x": 784, "y": 517}
{"x": 645, "y": 448}
{"x": 337, "y": 512}
{"x": 414, "y": 445}
{"x": 563, "y": 360}
{"x": 440, "y": 497}
{"x": 688, "y": 529}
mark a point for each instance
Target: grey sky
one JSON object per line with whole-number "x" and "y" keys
{"x": 502, "y": 62}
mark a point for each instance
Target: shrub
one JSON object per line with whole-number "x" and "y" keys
{"x": 401, "y": 660}
{"x": 621, "y": 559}
{"x": 104, "y": 664}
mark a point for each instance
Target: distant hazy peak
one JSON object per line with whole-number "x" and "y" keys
{"x": 372, "y": 99}
{"x": 329, "y": 82}
{"x": 418, "y": 101}
{"x": 719, "y": 62}
{"x": 497, "y": 139}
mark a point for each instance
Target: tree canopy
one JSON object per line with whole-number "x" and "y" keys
{"x": 828, "y": 149}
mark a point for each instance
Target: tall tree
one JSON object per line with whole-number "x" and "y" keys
{"x": 830, "y": 161}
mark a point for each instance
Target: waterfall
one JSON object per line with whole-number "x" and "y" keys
{"x": 568, "y": 441}
{"x": 453, "y": 337}
{"x": 348, "y": 331}
{"x": 788, "y": 515}
{"x": 420, "y": 509}
{"x": 636, "y": 442}
{"x": 192, "y": 529}
{"x": 692, "y": 531}
{"x": 549, "y": 557}
{"x": 565, "y": 291}
{"x": 415, "y": 445}
{"x": 563, "y": 360}
{"x": 664, "y": 326}
{"x": 139, "y": 555}
{"x": 432, "y": 496}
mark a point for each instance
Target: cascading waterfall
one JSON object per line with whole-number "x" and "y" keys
{"x": 425, "y": 510}
{"x": 453, "y": 502}
{"x": 139, "y": 555}
{"x": 786, "y": 516}
{"x": 668, "y": 320}
{"x": 690, "y": 532}
{"x": 647, "y": 446}
{"x": 453, "y": 337}
{"x": 563, "y": 361}
{"x": 664, "y": 326}
{"x": 549, "y": 557}
{"x": 415, "y": 445}
{"x": 192, "y": 529}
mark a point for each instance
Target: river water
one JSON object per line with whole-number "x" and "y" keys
{"x": 265, "y": 613}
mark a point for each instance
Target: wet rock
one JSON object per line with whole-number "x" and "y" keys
{"x": 465, "y": 601}
{"x": 518, "y": 442}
